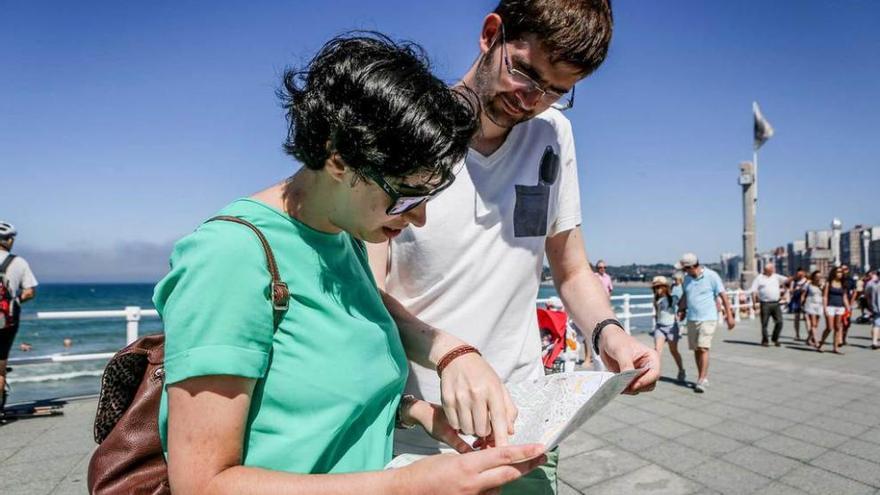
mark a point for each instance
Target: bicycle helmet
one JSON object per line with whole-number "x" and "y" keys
{"x": 7, "y": 230}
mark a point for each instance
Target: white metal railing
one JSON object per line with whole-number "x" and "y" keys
{"x": 625, "y": 315}
{"x": 131, "y": 314}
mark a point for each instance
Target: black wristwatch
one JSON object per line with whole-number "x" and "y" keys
{"x": 597, "y": 331}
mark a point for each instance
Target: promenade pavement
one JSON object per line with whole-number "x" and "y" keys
{"x": 784, "y": 420}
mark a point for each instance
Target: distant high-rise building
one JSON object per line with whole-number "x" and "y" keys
{"x": 818, "y": 239}
{"x": 731, "y": 266}
{"x": 797, "y": 251}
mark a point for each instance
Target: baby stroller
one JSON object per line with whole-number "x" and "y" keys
{"x": 553, "y": 325}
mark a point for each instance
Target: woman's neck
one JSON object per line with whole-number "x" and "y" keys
{"x": 303, "y": 197}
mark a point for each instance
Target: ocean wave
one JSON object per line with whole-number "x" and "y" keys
{"x": 54, "y": 376}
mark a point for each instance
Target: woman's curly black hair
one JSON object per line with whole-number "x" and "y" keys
{"x": 376, "y": 103}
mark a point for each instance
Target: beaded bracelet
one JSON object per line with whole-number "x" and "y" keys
{"x": 598, "y": 331}
{"x": 454, "y": 353}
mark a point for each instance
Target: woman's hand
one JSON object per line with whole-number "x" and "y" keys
{"x": 475, "y": 401}
{"x": 432, "y": 418}
{"x": 473, "y": 473}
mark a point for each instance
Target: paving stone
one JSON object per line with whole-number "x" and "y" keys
{"x": 866, "y": 450}
{"x": 725, "y": 410}
{"x": 649, "y": 479}
{"x": 667, "y": 428}
{"x": 833, "y": 424}
{"x": 633, "y": 415}
{"x": 39, "y": 487}
{"x": 596, "y": 466}
{"x": 55, "y": 469}
{"x": 816, "y": 436}
{"x": 602, "y": 424}
{"x": 821, "y": 482}
{"x": 708, "y": 442}
{"x": 579, "y": 442}
{"x": 851, "y": 467}
{"x": 632, "y": 438}
{"x": 674, "y": 456}
{"x": 872, "y": 435}
{"x": 728, "y": 478}
{"x": 698, "y": 419}
{"x": 768, "y": 422}
{"x": 777, "y": 488}
{"x": 739, "y": 430}
{"x": 789, "y": 413}
{"x": 761, "y": 461}
{"x": 790, "y": 447}
{"x": 566, "y": 489}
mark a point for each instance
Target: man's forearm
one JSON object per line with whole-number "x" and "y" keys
{"x": 584, "y": 299}
{"x": 423, "y": 343}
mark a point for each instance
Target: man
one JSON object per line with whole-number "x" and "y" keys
{"x": 20, "y": 286}
{"x": 701, "y": 287}
{"x": 767, "y": 288}
{"x": 475, "y": 269}
{"x": 872, "y": 294}
{"x": 796, "y": 290}
{"x": 604, "y": 277}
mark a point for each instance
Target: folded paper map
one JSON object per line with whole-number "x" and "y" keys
{"x": 552, "y": 407}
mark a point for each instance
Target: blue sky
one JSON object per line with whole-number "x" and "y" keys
{"x": 123, "y": 125}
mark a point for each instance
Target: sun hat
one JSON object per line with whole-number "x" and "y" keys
{"x": 659, "y": 280}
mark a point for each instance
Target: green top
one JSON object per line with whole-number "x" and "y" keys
{"x": 328, "y": 381}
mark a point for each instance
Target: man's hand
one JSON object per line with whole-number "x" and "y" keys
{"x": 731, "y": 321}
{"x": 621, "y": 351}
{"x": 475, "y": 401}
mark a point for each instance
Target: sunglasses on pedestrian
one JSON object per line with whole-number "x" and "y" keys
{"x": 404, "y": 198}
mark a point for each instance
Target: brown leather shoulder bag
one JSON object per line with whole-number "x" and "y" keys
{"x": 129, "y": 458}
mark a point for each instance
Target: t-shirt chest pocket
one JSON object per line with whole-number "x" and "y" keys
{"x": 533, "y": 201}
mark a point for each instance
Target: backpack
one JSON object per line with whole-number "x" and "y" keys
{"x": 129, "y": 458}
{"x": 7, "y": 302}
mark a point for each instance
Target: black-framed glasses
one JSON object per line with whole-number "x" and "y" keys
{"x": 548, "y": 96}
{"x": 404, "y": 201}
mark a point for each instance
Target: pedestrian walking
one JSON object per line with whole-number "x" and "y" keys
{"x": 17, "y": 286}
{"x": 812, "y": 301}
{"x": 795, "y": 306}
{"x": 835, "y": 305}
{"x": 767, "y": 287}
{"x": 701, "y": 287}
{"x": 666, "y": 328}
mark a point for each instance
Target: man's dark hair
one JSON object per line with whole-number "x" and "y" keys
{"x": 376, "y": 104}
{"x": 576, "y": 32}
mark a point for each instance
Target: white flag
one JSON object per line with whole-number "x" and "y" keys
{"x": 763, "y": 129}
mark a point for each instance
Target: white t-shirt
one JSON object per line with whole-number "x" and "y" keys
{"x": 18, "y": 275}
{"x": 768, "y": 288}
{"x": 475, "y": 268}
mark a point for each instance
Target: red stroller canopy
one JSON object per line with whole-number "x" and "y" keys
{"x": 555, "y": 323}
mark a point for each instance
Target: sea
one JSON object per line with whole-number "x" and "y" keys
{"x": 45, "y": 381}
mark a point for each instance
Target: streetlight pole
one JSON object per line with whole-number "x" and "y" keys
{"x": 866, "y": 250}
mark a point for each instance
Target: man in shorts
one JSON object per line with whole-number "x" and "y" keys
{"x": 701, "y": 288}
{"x": 20, "y": 283}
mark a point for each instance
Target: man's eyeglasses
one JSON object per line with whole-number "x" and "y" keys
{"x": 548, "y": 97}
{"x": 402, "y": 202}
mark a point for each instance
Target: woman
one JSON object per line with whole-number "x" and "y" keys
{"x": 812, "y": 300}
{"x": 307, "y": 403}
{"x": 835, "y": 304}
{"x": 666, "y": 328}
